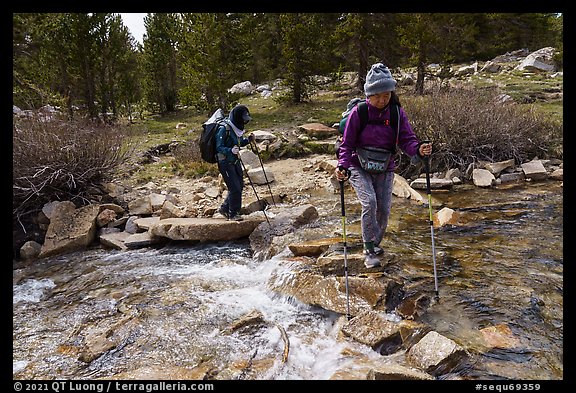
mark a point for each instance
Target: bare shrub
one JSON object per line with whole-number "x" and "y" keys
{"x": 62, "y": 160}
{"x": 188, "y": 161}
{"x": 468, "y": 126}
{"x": 188, "y": 152}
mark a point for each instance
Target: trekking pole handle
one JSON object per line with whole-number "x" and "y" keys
{"x": 346, "y": 172}
{"x": 426, "y": 159}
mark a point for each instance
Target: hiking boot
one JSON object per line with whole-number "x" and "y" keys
{"x": 236, "y": 217}
{"x": 371, "y": 260}
{"x": 377, "y": 251}
{"x": 224, "y": 212}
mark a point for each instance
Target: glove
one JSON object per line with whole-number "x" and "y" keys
{"x": 235, "y": 150}
{"x": 342, "y": 173}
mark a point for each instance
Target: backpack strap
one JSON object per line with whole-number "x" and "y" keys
{"x": 395, "y": 115}
{"x": 363, "y": 113}
{"x": 227, "y": 127}
{"x": 395, "y": 121}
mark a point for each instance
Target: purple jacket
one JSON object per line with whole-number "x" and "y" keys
{"x": 376, "y": 135}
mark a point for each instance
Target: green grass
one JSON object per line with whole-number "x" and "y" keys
{"x": 520, "y": 86}
{"x": 554, "y": 109}
{"x": 152, "y": 172}
{"x": 268, "y": 113}
{"x": 158, "y": 129}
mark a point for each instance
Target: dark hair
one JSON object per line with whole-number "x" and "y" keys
{"x": 394, "y": 99}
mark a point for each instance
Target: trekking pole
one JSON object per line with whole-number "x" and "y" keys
{"x": 427, "y": 167}
{"x": 255, "y": 147}
{"x": 255, "y": 193}
{"x": 345, "y": 247}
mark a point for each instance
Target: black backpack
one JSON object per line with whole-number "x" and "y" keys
{"x": 363, "y": 113}
{"x": 207, "y": 141}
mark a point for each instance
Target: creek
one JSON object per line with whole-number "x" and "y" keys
{"x": 163, "y": 312}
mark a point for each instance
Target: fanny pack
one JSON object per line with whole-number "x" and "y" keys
{"x": 374, "y": 159}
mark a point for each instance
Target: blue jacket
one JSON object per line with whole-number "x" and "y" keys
{"x": 226, "y": 138}
{"x": 376, "y": 135}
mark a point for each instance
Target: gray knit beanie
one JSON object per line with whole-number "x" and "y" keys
{"x": 379, "y": 80}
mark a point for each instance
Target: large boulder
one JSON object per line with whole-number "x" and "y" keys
{"x": 204, "y": 229}
{"x": 286, "y": 221}
{"x": 540, "y": 60}
{"x": 70, "y": 229}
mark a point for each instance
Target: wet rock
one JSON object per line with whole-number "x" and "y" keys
{"x": 252, "y": 319}
{"x": 166, "y": 372}
{"x": 413, "y": 306}
{"x": 285, "y": 221}
{"x": 499, "y": 336}
{"x": 393, "y": 372}
{"x": 247, "y": 369}
{"x": 329, "y": 292}
{"x": 411, "y": 332}
{"x": 372, "y": 328}
{"x": 446, "y": 216}
{"x": 313, "y": 247}
{"x": 333, "y": 261}
{"x": 402, "y": 189}
{"x": 436, "y": 354}
{"x": 359, "y": 366}
{"x": 95, "y": 346}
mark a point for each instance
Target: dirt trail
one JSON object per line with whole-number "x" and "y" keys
{"x": 296, "y": 174}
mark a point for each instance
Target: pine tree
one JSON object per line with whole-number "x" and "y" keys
{"x": 160, "y": 60}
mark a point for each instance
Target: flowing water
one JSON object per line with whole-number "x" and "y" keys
{"x": 166, "y": 312}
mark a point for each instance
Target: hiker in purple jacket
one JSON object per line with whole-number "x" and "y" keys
{"x": 374, "y": 190}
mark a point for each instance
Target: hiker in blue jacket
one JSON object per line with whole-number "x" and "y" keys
{"x": 229, "y": 139}
{"x": 374, "y": 190}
